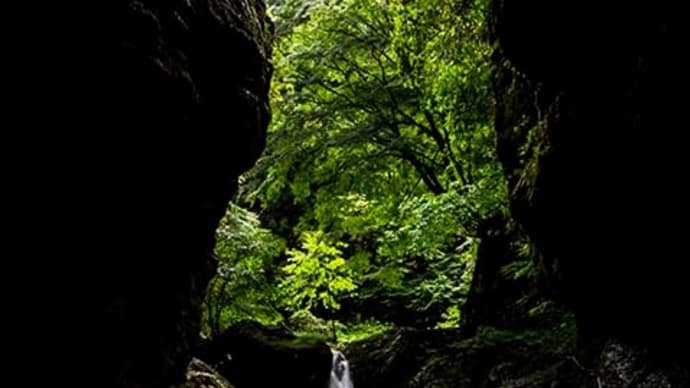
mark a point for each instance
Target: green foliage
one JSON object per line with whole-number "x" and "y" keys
{"x": 241, "y": 241}
{"x": 451, "y": 318}
{"x": 316, "y": 274}
{"x": 362, "y": 330}
{"x": 305, "y": 324}
{"x": 379, "y": 165}
{"x": 375, "y": 96}
{"x": 242, "y": 288}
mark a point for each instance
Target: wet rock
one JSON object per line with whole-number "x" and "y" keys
{"x": 201, "y": 375}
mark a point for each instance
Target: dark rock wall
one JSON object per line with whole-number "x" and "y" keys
{"x": 190, "y": 83}
{"x": 154, "y": 108}
{"x": 490, "y": 287}
{"x": 252, "y": 356}
{"x": 443, "y": 359}
{"x": 591, "y": 119}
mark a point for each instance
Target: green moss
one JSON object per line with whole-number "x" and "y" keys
{"x": 362, "y": 331}
{"x": 556, "y": 334}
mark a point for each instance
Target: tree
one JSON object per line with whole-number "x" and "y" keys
{"x": 243, "y": 287}
{"x": 380, "y": 157}
{"x": 316, "y": 274}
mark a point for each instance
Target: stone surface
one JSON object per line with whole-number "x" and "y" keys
{"x": 252, "y": 356}
{"x": 151, "y": 109}
{"x": 201, "y": 375}
{"x": 590, "y": 115}
{"x": 444, "y": 359}
{"x": 589, "y": 126}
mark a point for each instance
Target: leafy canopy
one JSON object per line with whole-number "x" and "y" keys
{"x": 379, "y": 164}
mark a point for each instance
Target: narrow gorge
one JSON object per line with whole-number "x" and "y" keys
{"x": 452, "y": 193}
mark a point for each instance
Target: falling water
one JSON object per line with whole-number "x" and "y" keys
{"x": 340, "y": 372}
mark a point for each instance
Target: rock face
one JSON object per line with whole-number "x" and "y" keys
{"x": 201, "y": 375}
{"x": 589, "y": 122}
{"x": 191, "y": 77}
{"x": 252, "y": 356}
{"x": 170, "y": 99}
{"x": 443, "y": 359}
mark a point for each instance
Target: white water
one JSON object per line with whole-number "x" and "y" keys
{"x": 340, "y": 372}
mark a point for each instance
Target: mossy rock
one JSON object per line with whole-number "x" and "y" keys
{"x": 409, "y": 358}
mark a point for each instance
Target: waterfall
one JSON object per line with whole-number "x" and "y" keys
{"x": 340, "y": 372}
